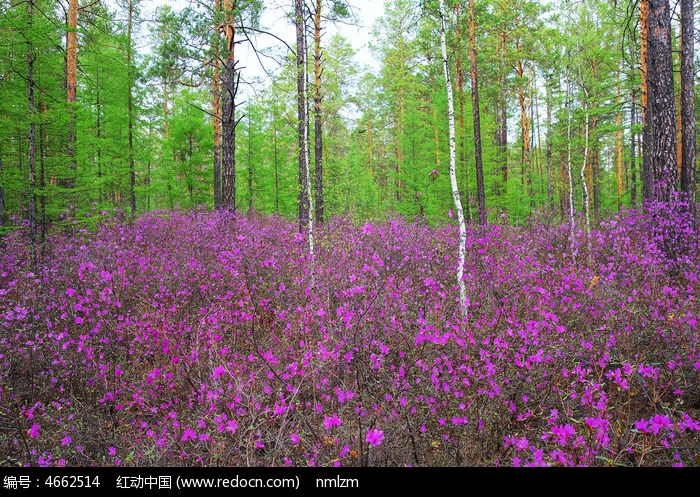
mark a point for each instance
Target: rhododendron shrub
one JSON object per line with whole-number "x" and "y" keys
{"x": 195, "y": 339}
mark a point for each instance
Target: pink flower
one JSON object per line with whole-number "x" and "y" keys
{"x": 374, "y": 437}
{"x": 295, "y": 438}
{"x": 331, "y": 421}
{"x": 112, "y": 451}
{"x": 218, "y": 371}
{"x": 642, "y": 425}
{"x": 189, "y": 434}
{"x": 35, "y": 430}
{"x": 660, "y": 422}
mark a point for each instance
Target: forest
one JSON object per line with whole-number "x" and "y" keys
{"x": 483, "y": 251}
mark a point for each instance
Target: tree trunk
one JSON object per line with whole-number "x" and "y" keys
{"x": 661, "y": 113}
{"x": 98, "y": 134}
{"x": 2, "y": 195}
{"x": 688, "y": 170}
{"x": 459, "y": 84}
{"x": 275, "y": 159}
{"x": 304, "y": 197}
{"x": 502, "y": 111}
{"x": 647, "y": 178}
{"x": 480, "y": 195}
{"x": 318, "y": 115}
{"x": 31, "y": 152}
{"x": 216, "y": 113}
{"x": 250, "y": 165}
{"x": 524, "y": 127}
{"x": 230, "y": 83}
{"x": 572, "y": 220}
{"x": 550, "y": 192}
{"x": 633, "y": 150}
{"x": 618, "y": 158}
{"x": 453, "y": 175}
{"x": 306, "y": 218}
{"x": 71, "y": 85}
{"x": 130, "y": 111}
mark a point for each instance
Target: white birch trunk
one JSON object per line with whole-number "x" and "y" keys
{"x": 568, "y": 163}
{"x": 586, "y": 193}
{"x": 312, "y": 268}
{"x": 453, "y": 176}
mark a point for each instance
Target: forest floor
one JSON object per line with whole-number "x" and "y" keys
{"x": 208, "y": 339}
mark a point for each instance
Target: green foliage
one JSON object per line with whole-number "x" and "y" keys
{"x": 384, "y": 131}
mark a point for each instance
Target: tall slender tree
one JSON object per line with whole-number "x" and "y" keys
{"x": 216, "y": 110}
{"x": 71, "y": 86}
{"x": 32, "y": 152}
{"x": 661, "y": 116}
{"x": 306, "y": 214}
{"x": 230, "y": 85}
{"x": 480, "y": 193}
{"x": 453, "y": 159}
{"x": 318, "y": 115}
{"x": 688, "y": 162}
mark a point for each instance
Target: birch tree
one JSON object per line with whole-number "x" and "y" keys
{"x": 453, "y": 175}
{"x": 306, "y": 216}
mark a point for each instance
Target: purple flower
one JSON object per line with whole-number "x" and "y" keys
{"x": 189, "y": 434}
{"x": 642, "y": 425}
{"x": 374, "y": 437}
{"x": 35, "y": 430}
{"x": 218, "y": 371}
{"x": 660, "y": 422}
{"x": 331, "y": 421}
{"x": 563, "y": 432}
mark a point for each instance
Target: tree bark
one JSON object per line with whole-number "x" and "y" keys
{"x": 306, "y": 217}
{"x": 689, "y": 167}
{"x": 661, "y": 113}
{"x": 304, "y": 197}
{"x": 230, "y": 82}
{"x": 31, "y": 153}
{"x": 550, "y": 192}
{"x": 71, "y": 85}
{"x": 2, "y": 195}
{"x": 618, "y": 158}
{"x": 453, "y": 175}
{"x": 318, "y": 115}
{"x": 646, "y": 130}
{"x": 480, "y": 193}
{"x": 524, "y": 126}
{"x": 228, "y": 136}
{"x": 502, "y": 111}
{"x": 216, "y": 112}
{"x": 130, "y": 111}
{"x": 633, "y": 150}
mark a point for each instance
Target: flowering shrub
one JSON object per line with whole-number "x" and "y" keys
{"x": 196, "y": 340}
